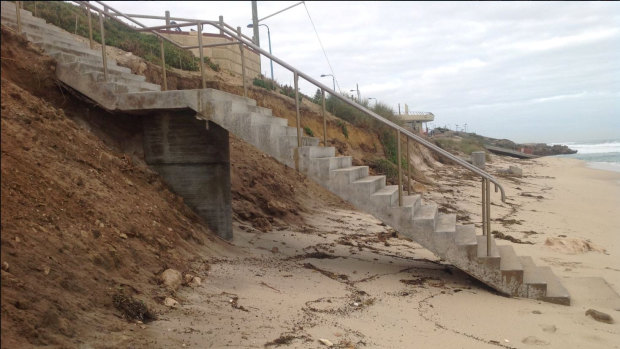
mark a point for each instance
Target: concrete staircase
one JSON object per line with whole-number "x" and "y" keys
{"x": 80, "y": 68}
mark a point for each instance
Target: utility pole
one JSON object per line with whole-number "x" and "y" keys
{"x": 255, "y": 23}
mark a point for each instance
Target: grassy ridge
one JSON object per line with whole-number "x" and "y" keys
{"x": 75, "y": 20}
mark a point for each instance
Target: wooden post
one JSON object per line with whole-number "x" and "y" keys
{"x": 163, "y": 65}
{"x": 202, "y": 69}
{"x": 245, "y": 87}
{"x": 103, "y": 53}
{"x": 324, "y": 119}
{"x": 400, "y": 172}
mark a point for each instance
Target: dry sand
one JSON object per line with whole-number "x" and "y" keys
{"x": 345, "y": 278}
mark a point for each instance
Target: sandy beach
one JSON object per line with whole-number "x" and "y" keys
{"x": 345, "y": 279}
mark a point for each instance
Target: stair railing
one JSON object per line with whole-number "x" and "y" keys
{"x": 242, "y": 40}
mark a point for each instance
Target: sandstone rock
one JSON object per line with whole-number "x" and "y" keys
{"x": 515, "y": 171}
{"x": 196, "y": 281}
{"x": 172, "y": 279}
{"x": 5, "y": 266}
{"x": 326, "y": 342}
{"x": 171, "y": 302}
{"x": 600, "y": 316}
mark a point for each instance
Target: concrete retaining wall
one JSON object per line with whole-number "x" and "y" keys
{"x": 228, "y": 57}
{"x": 194, "y": 162}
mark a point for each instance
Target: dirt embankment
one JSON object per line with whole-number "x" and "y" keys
{"x": 83, "y": 221}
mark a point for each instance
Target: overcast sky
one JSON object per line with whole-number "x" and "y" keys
{"x": 528, "y": 71}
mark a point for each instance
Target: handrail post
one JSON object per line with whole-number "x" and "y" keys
{"x": 245, "y": 87}
{"x": 35, "y": 8}
{"x": 408, "y": 169}
{"x": 18, "y": 17}
{"x": 90, "y": 29}
{"x": 324, "y": 119}
{"x": 488, "y": 216}
{"x": 201, "y": 54}
{"x": 163, "y": 65}
{"x": 484, "y": 206}
{"x": 221, "y": 25}
{"x": 103, "y": 53}
{"x": 400, "y": 174}
{"x": 296, "y": 78}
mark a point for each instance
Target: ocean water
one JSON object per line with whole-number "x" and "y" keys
{"x": 601, "y": 155}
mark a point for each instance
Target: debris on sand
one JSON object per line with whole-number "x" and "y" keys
{"x": 132, "y": 309}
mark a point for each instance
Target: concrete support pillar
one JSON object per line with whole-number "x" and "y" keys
{"x": 478, "y": 159}
{"x": 194, "y": 161}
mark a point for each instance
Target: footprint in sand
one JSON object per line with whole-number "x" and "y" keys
{"x": 534, "y": 341}
{"x": 549, "y": 328}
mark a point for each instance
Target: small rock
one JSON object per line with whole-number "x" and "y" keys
{"x": 188, "y": 278}
{"x": 600, "y": 316}
{"x": 537, "y": 312}
{"x": 534, "y": 341}
{"x": 549, "y": 328}
{"x": 326, "y": 342}
{"x": 123, "y": 235}
{"x": 196, "y": 281}
{"x": 17, "y": 239}
{"x": 172, "y": 279}
{"x": 275, "y": 250}
{"x": 46, "y": 270}
{"x": 515, "y": 171}
{"x": 170, "y": 302}
{"x": 5, "y": 266}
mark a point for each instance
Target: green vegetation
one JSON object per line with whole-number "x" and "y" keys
{"x": 308, "y": 131}
{"x": 464, "y": 145}
{"x": 264, "y": 83}
{"x": 75, "y": 20}
{"x": 343, "y": 128}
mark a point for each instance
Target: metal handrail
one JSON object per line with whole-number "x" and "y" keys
{"x": 244, "y": 40}
{"x": 373, "y": 114}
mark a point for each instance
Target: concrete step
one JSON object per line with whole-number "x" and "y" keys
{"x": 68, "y": 43}
{"x": 84, "y": 67}
{"x": 260, "y": 110}
{"x": 385, "y": 197}
{"x": 465, "y": 239}
{"x": 424, "y": 218}
{"x": 77, "y": 51}
{"x": 534, "y": 281}
{"x": 33, "y": 23}
{"x": 64, "y": 57}
{"x": 443, "y": 237}
{"x": 492, "y": 260}
{"x": 316, "y": 151}
{"x": 511, "y": 268}
{"x": 556, "y": 293}
{"x": 292, "y": 131}
{"x": 366, "y": 186}
{"x": 123, "y": 79}
{"x": 321, "y": 167}
{"x": 9, "y": 14}
{"x": 350, "y": 174}
{"x": 446, "y": 223}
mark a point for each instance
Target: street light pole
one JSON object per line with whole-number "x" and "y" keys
{"x": 255, "y": 23}
{"x": 269, "y": 38}
{"x": 357, "y": 88}
{"x": 333, "y": 79}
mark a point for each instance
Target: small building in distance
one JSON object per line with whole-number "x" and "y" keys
{"x": 416, "y": 119}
